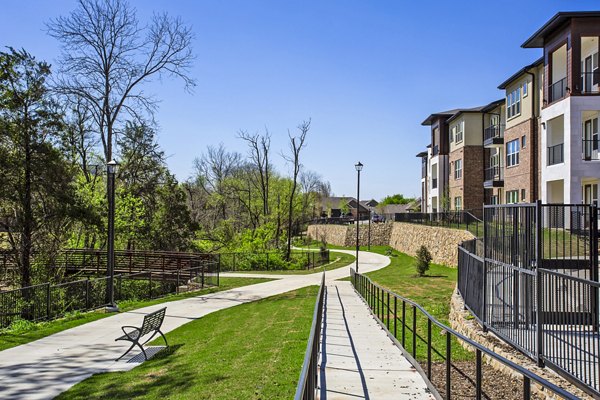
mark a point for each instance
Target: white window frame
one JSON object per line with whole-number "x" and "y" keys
{"x": 459, "y": 132}
{"x": 458, "y": 203}
{"x": 512, "y": 153}
{"x": 513, "y": 103}
{"x": 512, "y": 196}
{"x": 525, "y": 89}
{"x": 458, "y": 167}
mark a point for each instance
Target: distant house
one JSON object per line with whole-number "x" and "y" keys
{"x": 336, "y": 207}
{"x": 389, "y": 211}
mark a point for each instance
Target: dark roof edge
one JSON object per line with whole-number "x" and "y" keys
{"x": 520, "y": 72}
{"x": 533, "y": 41}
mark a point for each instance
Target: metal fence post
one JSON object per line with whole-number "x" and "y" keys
{"x": 150, "y": 286}
{"x": 485, "y": 269}
{"x": 87, "y": 294}
{"x": 538, "y": 278}
{"x": 48, "y": 301}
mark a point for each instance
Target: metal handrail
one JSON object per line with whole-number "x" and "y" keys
{"x": 528, "y": 376}
{"x": 556, "y": 154}
{"x": 307, "y": 384}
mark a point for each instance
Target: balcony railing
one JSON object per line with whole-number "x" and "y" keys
{"x": 435, "y": 150}
{"x": 434, "y": 183}
{"x": 494, "y": 176}
{"x": 556, "y": 154}
{"x": 424, "y": 171}
{"x": 493, "y": 134}
{"x": 590, "y": 149}
{"x": 589, "y": 82}
{"x": 557, "y": 90}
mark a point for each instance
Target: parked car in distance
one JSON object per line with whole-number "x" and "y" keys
{"x": 377, "y": 218}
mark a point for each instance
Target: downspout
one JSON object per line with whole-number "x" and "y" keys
{"x": 534, "y": 137}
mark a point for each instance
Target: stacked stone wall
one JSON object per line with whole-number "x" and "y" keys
{"x": 404, "y": 237}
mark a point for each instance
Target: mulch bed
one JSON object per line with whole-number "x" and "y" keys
{"x": 496, "y": 385}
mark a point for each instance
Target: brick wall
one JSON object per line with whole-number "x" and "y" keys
{"x": 520, "y": 176}
{"x": 470, "y": 185}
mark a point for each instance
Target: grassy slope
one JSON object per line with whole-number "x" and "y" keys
{"x": 30, "y": 332}
{"x": 251, "y": 351}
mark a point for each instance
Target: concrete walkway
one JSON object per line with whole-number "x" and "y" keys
{"x": 49, "y": 366}
{"x": 358, "y": 360}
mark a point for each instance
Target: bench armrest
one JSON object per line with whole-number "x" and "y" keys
{"x": 135, "y": 328}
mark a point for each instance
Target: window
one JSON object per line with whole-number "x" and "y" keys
{"x": 452, "y": 134}
{"x": 523, "y": 141}
{"x": 522, "y": 194}
{"x": 525, "y": 89}
{"x": 512, "y": 153}
{"x": 457, "y": 169}
{"x": 590, "y": 139}
{"x": 458, "y": 203}
{"x": 458, "y": 132}
{"x": 512, "y": 196}
{"x": 513, "y": 103}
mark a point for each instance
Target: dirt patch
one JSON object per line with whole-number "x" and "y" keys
{"x": 495, "y": 385}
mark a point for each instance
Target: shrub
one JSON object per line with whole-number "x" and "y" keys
{"x": 423, "y": 260}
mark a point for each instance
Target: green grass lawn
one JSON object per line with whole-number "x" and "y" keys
{"x": 338, "y": 260}
{"x": 251, "y": 351}
{"x": 25, "y": 332}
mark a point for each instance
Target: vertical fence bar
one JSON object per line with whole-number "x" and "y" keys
{"x": 414, "y": 333}
{"x": 478, "y": 375}
{"x": 403, "y": 324}
{"x": 538, "y": 279}
{"x": 395, "y": 316}
{"x": 448, "y": 364}
{"x": 87, "y": 294}
{"x": 428, "y": 348}
{"x": 388, "y": 311}
{"x": 48, "y": 300}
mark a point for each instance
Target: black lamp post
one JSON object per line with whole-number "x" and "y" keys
{"x": 111, "y": 169}
{"x": 359, "y": 168}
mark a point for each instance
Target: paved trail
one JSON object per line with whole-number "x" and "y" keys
{"x": 49, "y": 366}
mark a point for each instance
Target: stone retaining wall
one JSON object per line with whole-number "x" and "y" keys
{"x": 441, "y": 242}
{"x": 404, "y": 237}
{"x": 462, "y": 321}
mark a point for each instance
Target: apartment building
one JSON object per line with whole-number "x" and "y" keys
{"x": 541, "y": 142}
{"x": 437, "y": 173}
{"x": 513, "y": 163}
{"x": 570, "y": 163}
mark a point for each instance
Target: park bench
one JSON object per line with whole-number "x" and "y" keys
{"x": 152, "y": 323}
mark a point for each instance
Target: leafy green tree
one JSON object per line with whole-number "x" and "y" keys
{"x": 36, "y": 190}
{"x": 396, "y": 199}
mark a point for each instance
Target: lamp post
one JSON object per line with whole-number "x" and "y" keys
{"x": 111, "y": 169}
{"x": 359, "y": 168}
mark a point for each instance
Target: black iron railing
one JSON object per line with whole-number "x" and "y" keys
{"x": 589, "y": 81}
{"x": 435, "y": 151}
{"x": 464, "y": 219}
{"x": 307, "y": 384}
{"x": 556, "y": 154}
{"x": 557, "y": 90}
{"x": 535, "y": 284}
{"x": 49, "y": 301}
{"x": 493, "y": 132}
{"x": 495, "y": 173}
{"x": 332, "y": 221}
{"x": 399, "y": 316}
{"x": 589, "y": 149}
{"x": 272, "y": 261}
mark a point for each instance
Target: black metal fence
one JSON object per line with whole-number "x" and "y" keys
{"x": 48, "y": 301}
{"x": 272, "y": 261}
{"x": 536, "y": 285}
{"x": 307, "y": 384}
{"x": 413, "y": 328}
{"x": 470, "y": 220}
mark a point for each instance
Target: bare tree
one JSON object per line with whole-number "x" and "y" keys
{"x": 259, "y": 148}
{"x": 296, "y": 145}
{"x": 107, "y": 57}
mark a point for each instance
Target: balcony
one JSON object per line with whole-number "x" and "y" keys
{"x": 557, "y": 90}
{"x": 435, "y": 151}
{"x": 493, "y": 135}
{"x": 556, "y": 154}
{"x": 424, "y": 171}
{"x": 589, "y": 149}
{"x": 590, "y": 82}
{"x": 493, "y": 177}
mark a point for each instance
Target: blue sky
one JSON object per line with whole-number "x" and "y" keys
{"x": 366, "y": 72}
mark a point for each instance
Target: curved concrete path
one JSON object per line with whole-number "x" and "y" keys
{"x": 45, "y": 368}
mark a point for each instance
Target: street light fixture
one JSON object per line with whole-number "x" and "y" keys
{"x": 111, "y": 169}
{"x": 359, "y": 168}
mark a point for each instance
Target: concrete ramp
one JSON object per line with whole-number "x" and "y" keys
{"x": 358, "y": 359}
